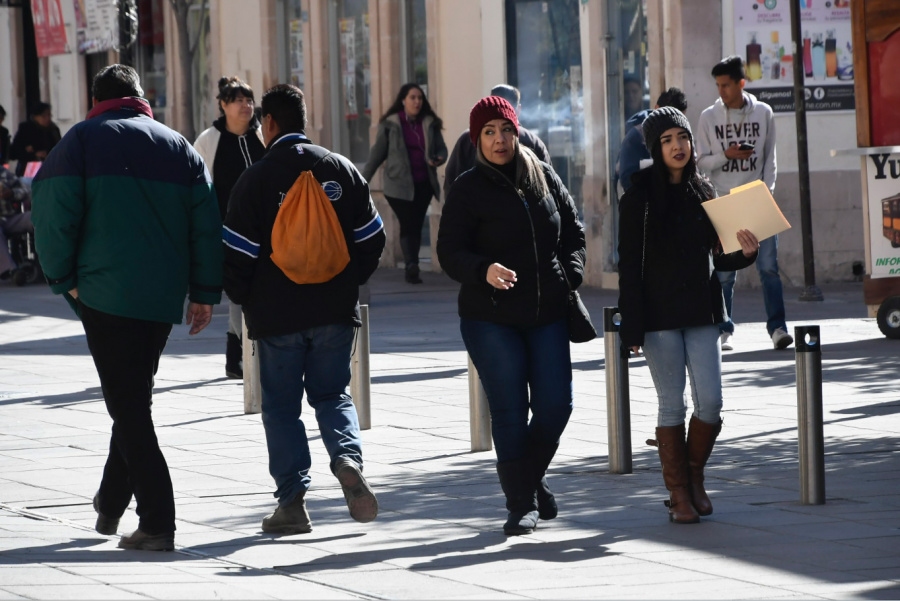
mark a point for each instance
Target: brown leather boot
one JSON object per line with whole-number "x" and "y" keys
{"x": 700, "y": 441}
{"x": 673, "y": 456}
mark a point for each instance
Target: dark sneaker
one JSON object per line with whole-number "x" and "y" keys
{"x": 105, "y": 525}
{"x": 141, "y": 541}
{"x": 291, "y": 518}
{"x": 360, "y": 499}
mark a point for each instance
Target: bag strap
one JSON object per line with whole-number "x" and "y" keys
{"x": 644, "y": 249}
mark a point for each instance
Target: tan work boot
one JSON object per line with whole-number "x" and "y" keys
{"x": 359, "y": 495}
{"x": 141, "y": 541}
{"x": 290, "y": 518}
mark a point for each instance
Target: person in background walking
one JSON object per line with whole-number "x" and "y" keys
{"x": 233, "y": 143}
{"x": 410, "y": 144}
{"x": 126, "y": 225}
{"x": 35, "y": 138}
{"x": 671, "y": 302}
{"x": 303, "y": 332}
{"x": 736, "y": 146}
{"x": 633, "y": 151}
{"x": 463, "y": 156}
{"x": 510, "y": 235}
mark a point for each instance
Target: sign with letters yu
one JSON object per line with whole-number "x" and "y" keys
{"x": 883, "y": 185}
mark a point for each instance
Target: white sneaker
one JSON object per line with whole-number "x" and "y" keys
{"x": 781, "y": 339}
{"x": 725, "y": 338}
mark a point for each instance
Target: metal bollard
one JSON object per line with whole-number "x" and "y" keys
{"x": 252, "y": 390}
{"x": 479, "y": 413}
{"x": 618, "y": 409}
{"x": 360, "y": 383}
{"x": 809, "y": 415}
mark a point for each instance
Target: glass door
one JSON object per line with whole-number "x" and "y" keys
{"x": 543, "y": 46}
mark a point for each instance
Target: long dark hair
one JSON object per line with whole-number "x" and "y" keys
{"x": 694, "y": 184}
{"x": 426, "y": 111}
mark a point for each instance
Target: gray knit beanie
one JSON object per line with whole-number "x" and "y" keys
{"x": 662, "y": 120}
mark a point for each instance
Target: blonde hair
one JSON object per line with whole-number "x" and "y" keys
{"x": 528, "y": 168}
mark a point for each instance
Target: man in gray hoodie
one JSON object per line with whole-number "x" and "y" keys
{"x": 736, "y": 146}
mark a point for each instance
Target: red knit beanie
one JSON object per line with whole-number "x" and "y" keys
{"x": 488, "y": 109}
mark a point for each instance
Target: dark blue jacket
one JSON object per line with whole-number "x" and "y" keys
{"x": 633, "y": 150}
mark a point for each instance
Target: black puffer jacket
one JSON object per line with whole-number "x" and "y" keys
{"x": 669, "y": 282}
{"x": 485, "y": 221}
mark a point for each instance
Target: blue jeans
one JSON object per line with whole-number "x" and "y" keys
{"x": 317, "y": 359}
{"x": 773, "y": 293}
{"x": 668, "y": 353}
{"x": 510, "y": 360}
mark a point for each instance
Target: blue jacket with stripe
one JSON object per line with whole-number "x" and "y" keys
{"x": 273, "y": 304}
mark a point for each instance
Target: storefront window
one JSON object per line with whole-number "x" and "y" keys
{"x": 205, "y": 109}
{"x": 355, "y": 99}
{"x": 148, "y": 57}
{"x": 416, "y": 44}
{"x": 544, "y": 62}
{"x": 627, "y": 87}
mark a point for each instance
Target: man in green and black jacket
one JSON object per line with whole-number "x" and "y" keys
{"x": 126, "y": 225}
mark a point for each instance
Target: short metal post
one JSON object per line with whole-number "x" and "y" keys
{"x": 809, "y": 415}
{"x": 479, "y": 413}
{"x": 252, "y": 390}
{"x": 360, "y": 383}
{"x": 618, "y": 409}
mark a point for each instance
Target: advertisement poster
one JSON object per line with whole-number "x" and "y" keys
{"x": 49, "y": 29}
{"x": 348, "y": 66}
{"x": 762, "y": 36}
{"x": 97, "y": 25}
{"x": 883, "y": 178}
{"x": 296, "y": 53}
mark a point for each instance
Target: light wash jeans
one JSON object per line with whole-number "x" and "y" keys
{"x": 773, "y": 294}
{"x": 317, "y": 360}
{"x": 668, "y": 353}
{"x": 513, "y": 361}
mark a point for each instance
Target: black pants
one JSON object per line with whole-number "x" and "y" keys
{"x": 126, "y": 352}
{"x": 411, "y": 215}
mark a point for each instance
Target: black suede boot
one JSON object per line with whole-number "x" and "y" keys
{"x": 539, "y": 458}
{"x": 518, "y": 485}
{"x": 234, "y": 357}
{"x": 411, "y": 261}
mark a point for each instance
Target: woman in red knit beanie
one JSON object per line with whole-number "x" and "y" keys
{"x": 510, "y": 235}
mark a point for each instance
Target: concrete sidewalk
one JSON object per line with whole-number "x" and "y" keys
{"x": 439, "y": 535}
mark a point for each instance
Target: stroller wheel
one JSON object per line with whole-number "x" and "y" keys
{"x": 28, "y": 272}
{"x": 19, "y": 277}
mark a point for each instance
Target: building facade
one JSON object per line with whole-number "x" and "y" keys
{"x": 583, "y": 67}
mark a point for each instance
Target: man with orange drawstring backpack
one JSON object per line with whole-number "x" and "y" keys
{"x": 297, "y": 209}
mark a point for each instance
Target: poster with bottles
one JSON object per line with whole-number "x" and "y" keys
{"x": 762, "y": 36}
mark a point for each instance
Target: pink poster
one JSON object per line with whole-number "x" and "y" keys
{"x": 49, "y": 29}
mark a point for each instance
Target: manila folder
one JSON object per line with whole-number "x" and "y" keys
{"x": 748, "y": 207}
